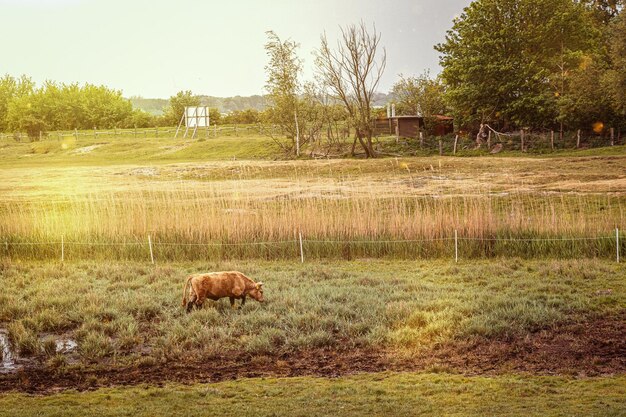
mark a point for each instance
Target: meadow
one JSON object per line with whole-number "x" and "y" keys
{"x": 533, "y": 309}
{"x": 105, "y": 202}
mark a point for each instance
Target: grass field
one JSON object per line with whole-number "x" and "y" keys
{"x": 519, "y": 326}
{"x": 397, "y": 394}
{"x": 124, "y": 190}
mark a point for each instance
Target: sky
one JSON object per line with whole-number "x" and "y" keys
{"x": 156, "y": 48}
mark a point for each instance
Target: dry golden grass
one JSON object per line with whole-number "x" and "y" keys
{"x": 369, "y": 202}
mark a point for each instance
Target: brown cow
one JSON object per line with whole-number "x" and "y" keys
{"x": 216, "y": 285}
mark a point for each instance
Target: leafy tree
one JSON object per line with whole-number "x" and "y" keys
{"x": 214, "y": 116}
{"x": 283, "y": 86}
{"x": 422, "y": 95}
{"x": 616, "y": 76}
{"x": 10, "y": 89}
{"x": 511, "y": 60}
{"x": 249, "y": 116}
{"x": 175, "y": 111}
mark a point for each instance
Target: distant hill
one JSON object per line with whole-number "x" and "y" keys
{"x": 157, "y": 106}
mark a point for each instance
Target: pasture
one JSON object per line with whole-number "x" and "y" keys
{"x": 379, "y": 314}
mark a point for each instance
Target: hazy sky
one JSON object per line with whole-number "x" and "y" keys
{"x": 156, "y": 48}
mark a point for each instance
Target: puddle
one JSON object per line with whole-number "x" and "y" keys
{"x": 65, "y": 345}
{"x": 8, "y": 359}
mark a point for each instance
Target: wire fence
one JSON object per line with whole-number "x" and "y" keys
{"x": 138, "y": 133}
{"x": 455, "y": 247}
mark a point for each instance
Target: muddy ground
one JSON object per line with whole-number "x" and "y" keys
{"x": 592, "y": 348}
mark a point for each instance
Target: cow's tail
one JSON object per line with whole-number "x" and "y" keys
{"x": 185, "y": 290}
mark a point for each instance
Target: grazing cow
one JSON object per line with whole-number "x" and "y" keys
{"x": 216, "y": 285}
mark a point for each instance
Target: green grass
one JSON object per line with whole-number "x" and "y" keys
{"x": 116, "y": 310}
{"x": 392, "y": 394}
{"x": 128, "y": 150}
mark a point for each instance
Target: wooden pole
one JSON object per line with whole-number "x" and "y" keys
{"x": 617, "y": 242}
{"x": 456, "y": 246}
{"x": 612, "y": 136}
{"x": 552, "y": 139}
{"x": 456, "y": 138}
{"x": 76, "y": 134}
{"x": 440, "y": 147}
{"x": 295, "y": 115}
{"x": 489, "y": 139}
{"x": 421, "y": 139}
{"x": 301, "y": 250}
{"x": 40, "y": 135}
{"x": 578, "y": 139}
{"x": 95, "y": 134}
{"x": 151, "y": 253}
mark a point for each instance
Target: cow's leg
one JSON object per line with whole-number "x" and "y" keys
{"x": 200, "y": 300}
{"x": 232, "y": 302}
{"x": 192, "y": 301}
{"x": 243, "y": 302}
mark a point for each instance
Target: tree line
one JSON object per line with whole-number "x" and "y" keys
{"x": 539, "y": 64}
{"x": 512, "y": 64}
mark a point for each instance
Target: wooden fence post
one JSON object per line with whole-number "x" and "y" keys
{"x": 301, "y": 250}
{"x": 421, "y": 139}
{"x": 95, "y": 134}
{"x": 552, "y": 139}
{"x": 456, "y": 246}
{"x": 151, "y": 253}
{"x": 456, "y": 138}
{"x": 440, "y": 147}
{"x": 578, "y": 139}
{"x": 612, "y": 136}
{"x": 617, "y": 242}
{"x": 488, "y": 139}
{"x": 76, "y": 134}
{"x": 40, "y": 135}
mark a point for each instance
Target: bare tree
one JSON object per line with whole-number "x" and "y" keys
{"x": 352, "y": 72}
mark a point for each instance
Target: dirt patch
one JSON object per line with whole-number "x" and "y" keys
{"x": 590, "y": 348}
{"x": 86, "y": 149}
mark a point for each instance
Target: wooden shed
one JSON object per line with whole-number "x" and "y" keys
{"x": 410, "y": 126}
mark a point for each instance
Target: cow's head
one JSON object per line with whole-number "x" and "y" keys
{"x": 257, "y": 292}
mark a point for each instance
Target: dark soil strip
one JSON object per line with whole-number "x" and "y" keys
{"x": 591, "y": 348}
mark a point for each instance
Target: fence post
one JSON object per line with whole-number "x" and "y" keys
{"x": 150, "y": 245}
{"x": 617, "y": 242}
{"x": 301, "y": 251}
{"x": 62, "y": 248}
{"x": 612, "y": 136}
{"x": 456, "y": 138}
{"x": 552, "y": 139}
{"x": 95, "y": 134}
{"x": 440, "y": 147}
{"x": 40, "y": 135}
{"x": 456, "y": 246}
{"x": 578, "y": 139}
{"x": 76, "y": 134}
